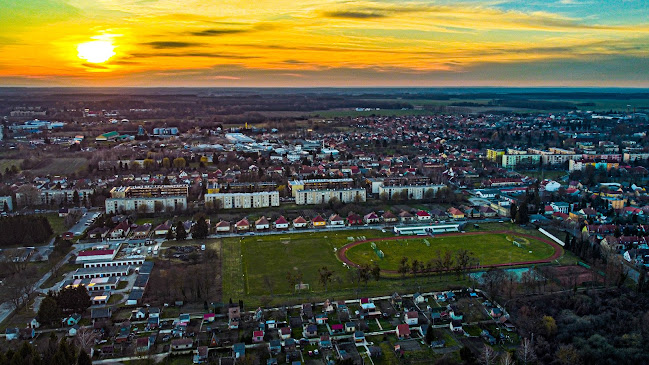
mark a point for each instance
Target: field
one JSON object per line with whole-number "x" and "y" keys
{"x": 254, "y": 268}
{"x": 7, "y": 163}
{"x": 489, "y": 249}
{"x": 63, "y": 166}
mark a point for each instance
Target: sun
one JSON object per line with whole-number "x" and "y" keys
{"x": 96, "y": 51}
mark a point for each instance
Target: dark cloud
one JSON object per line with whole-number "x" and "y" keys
{"x": 217, "y": 32}
{"x": 172, "y": 45}
{"x": 191, "y": 54}
{"x": 350, "y": 14}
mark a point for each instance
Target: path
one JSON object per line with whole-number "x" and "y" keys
{"x": 342, "y": 252}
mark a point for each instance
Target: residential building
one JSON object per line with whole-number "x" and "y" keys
{"x": 146, "y": 204}
{"x": 414, "y": 192}
{"x": 323, "y": 196}
{"x": 261, "y": 199}
{"x": 319, "y": 184}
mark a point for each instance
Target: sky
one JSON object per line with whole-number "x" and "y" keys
{"x": 311, "y": 43}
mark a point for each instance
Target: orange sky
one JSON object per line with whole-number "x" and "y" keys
{"x": 323, "y": 43}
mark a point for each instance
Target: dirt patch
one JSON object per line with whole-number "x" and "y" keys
{"x": 571, "y": 275}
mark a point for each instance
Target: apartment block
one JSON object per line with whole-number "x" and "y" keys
{"x": 323, "y": 196}
{"x": 261, "y": 199}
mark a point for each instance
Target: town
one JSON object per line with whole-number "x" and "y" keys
{"x": 377, "y": 232}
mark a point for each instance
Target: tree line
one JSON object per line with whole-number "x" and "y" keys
{"x": 54, "y": 352}
{"x": 24, "y": 230}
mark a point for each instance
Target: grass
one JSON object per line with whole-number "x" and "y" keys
{"x": 56, "y": 223}
{"x": 7, "y": 163}
{"x": 488, "y": 249}
{"x": 62, "y": 166}
{"x": 115, "y": 298}
{"x": 246, "y": 261}
{"x": 58, "y": 275}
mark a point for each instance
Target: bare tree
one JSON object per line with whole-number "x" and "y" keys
{"x": 85, "y": 338}
{"x": 507, "y": 359}
{"x": 487, "y": 356}
{"x": 525, "y": 352}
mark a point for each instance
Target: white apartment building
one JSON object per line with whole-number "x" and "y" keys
{"x": 260, "y": 199}
{"x": 146, "y": 204}
{"x": 415, "y": 192}
{"x": 303, "y": 197}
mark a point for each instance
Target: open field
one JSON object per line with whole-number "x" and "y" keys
{"x": 62, "y": 166}
{"x": 489, "y": 249}
{"x": 56, "y": 223}
{"x": 7, "y": 163}
{"x": 254, "y": 268}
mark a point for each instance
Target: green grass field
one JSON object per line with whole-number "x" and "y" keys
{"x": 489, "y": 249}
{"x": 63, "y": 166}
{"x": 56, "y": 223}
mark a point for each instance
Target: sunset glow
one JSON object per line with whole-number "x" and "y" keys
{"x": 325, "y": 43}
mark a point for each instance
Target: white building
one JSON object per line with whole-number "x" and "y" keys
{"x": 415, "y": 192}
{"x": 261, "y": 199}
{"x": 323, "y": 196}
{"x": 146, "y": 204}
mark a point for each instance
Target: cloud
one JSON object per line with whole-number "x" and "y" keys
{"x": 171, "y": 44}
{"x": 217, "y": 32}
{"x": 349, "y": 14}
{"x": 193, "y": 54}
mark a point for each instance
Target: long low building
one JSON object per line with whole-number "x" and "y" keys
{"x": 320, "y": 184}
{"x": 427, "y": 229}
{"x": 308, "y": 197}
{"x": 146, "y": 204}
{"x": 94, "y": 284}
{"x": 96, "y": 256}
{"x": 262, "y": 199}
{"x": 120, "y": 262}
{"x": 100, "y": 272}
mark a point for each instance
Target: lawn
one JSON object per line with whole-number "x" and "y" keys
{"x": 245, "y": 263}
{"x": 56, "y": 223}
{"x": 62, "y": 166}
{"x": 488, "y": 248}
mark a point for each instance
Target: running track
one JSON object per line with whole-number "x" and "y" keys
{"x": 342, "y": 253}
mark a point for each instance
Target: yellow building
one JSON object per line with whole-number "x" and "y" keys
{"x": 494, "y": 155}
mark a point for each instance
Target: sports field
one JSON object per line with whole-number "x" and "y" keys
{"x": 488, "y": 248}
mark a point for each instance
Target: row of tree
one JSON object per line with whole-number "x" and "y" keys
{"x": 55, "y": 352}
{"x": 24, "y": 230}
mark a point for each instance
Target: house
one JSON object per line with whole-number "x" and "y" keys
{"x": 275, "y": 347}
{"x": 162, "y": 229}
{"x": 423, "y": 215}
{"x": 300, "y": 222}
{"x": 495, "y": 312}
{"x": 257, "y": 336}
{"x": 222, "y": 227}
{"x": 281, "y": 223}
{"x": 142, "y": 231}
{"x": 389, "y": 217}
{"x": 487, "y": 212}
{"x": 396, "y": 300}
{"x": 350, "y": 327}
{"x": 325, "y": 342}
{"x": 310, "y": 330}
{"x": 418, "y": 298}
{"x": 412, "y": 318}
{"x": 337, "y": 329}
{"x": 72, "y": 331}
{"x": 238, "y": 350}
{"x": 201, "y": 355}
{"x": 455, "y": 213}
{"x": 354, "y": 219}
{"x": 142, "y": 345}
{"x": 406, "y": 217}
{"x": 262, "y": 224}
{"x": 27, "y": 333}
{"x": 73, "y": 319}
{"x": 12, "y": 333}
{"x": 403, "y": 331}
{"x": 121, "y": 230}
{"x": 209, "y": 317}
{"x": 34, "y": 323}
{"x": 335, "y": 220}
{"x": 285, "y": 332}
{"x": 181, "y": 345}
{"x": 321, "y": 319}
{"x": 139, "y": 313}
{"x": 319, "y": 222}
{"x": 371, "y": 218}
{"x": 234, "y": 315}
{"x": 271, "y": 324}
{"x": 456, "y": 326}
{"x": 359, "y": 337}
{"x": 307, "y": 311}
{"x": 242, "y": 225}
{"x": 100, "y": 314}
{"x": 184, "y": 318}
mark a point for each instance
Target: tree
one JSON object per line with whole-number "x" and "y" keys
{"x": 84, "y": 359}
{"x": 567, "y": 355}
{"x": 549, "y": 326}
{"x": 181, "y": 234}
{"x": 200, "y": 230}
{"x": 466, "y": 355}
{"x": 166, "y": 162}
{"x": 75, "y": 198}
{"x": 74, "y": 300}
{"x": 179, "y": 163}
{"x": 487, "y": 356}
{"x": 403, "y": 266}
{"x": 376, "y": 271}
{"x": 525, "y": 352}
{"x": 507, "y": 359}
{"x": 170, "y": 234}
{"x": 430, "y": 335}
{"x": 49, "y": 312}
{"x": 148, "y": 164}
{"x": 415, "y": 267}
{"x": 325, "y": 276}
{"x": 513, "y": 210}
